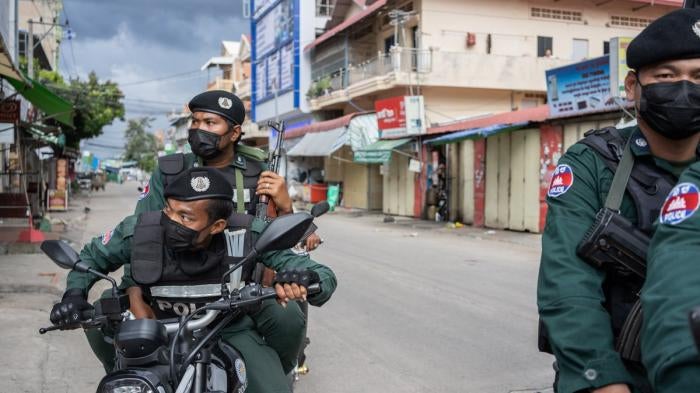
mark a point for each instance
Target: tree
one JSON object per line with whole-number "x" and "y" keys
{"x": 141, "y": 146}
{"x": 96, "y": 104}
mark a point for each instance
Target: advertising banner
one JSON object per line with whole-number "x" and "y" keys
{"x": 9, "y": 111}
{"x": 400, "y": 116}
{"x": 580, "y": 88}
{"x": 618, "y": 65}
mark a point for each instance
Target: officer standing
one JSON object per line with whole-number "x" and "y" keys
{"x": 182, "y": 252}
{"x": 616, "y": 181}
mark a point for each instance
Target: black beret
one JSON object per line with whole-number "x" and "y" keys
{"x": 199, "y": 183}
{"x": 221, "y": 103}
{"x": 674, "y": 36}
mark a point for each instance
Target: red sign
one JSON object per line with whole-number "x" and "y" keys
{"x": 391, "y": 113}
{"x": 9, "y": 111}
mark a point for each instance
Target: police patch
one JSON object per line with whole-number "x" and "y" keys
{"x": 200, "y": 183}
{"x": 145, "y": 191}
{"x": 225, "y": 102}
{"x": 562, "y": 179}
{"x": 106, "y": 237}
{"x": 680, "y": 204}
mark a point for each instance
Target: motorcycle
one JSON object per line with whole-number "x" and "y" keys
{"x": 185, "y": 355}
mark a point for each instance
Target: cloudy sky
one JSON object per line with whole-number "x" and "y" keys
{"x": 135, "y": 41}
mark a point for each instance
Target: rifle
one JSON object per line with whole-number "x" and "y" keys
{"x": 273, "y": 166}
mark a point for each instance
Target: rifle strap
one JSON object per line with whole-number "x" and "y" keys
{"x": 619, "y": 183}
{"x": 240, "y": 193}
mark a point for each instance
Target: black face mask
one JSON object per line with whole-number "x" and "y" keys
{"x": 671, "y": 108}
{"x": 177, "y": 236}
{"x": 204, "y": 144}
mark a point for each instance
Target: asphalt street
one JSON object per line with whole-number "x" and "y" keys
{"x": 417, "y": 309}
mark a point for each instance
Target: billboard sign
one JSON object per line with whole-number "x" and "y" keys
{"x": 618, "y": 65}
{"x": 580, "y": 88}
{"x": 400, "y": 116}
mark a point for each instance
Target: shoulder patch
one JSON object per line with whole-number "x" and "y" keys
{"x": 562, "y": 180}
{"x": 107, "y": 237}
{"x": 681, "y": 203}
{"x": 145, "y": 191}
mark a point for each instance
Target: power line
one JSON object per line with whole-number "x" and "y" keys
{"x": 153, "y": 101}
{"x": 162, "y": 78}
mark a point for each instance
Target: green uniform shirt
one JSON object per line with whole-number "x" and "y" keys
{"x": 570, "y": 296}
{"x": 152, "y": 197}
{"x": 672, "y": 289}
{"x": 113, "y": 249}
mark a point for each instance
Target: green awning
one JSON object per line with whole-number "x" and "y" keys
{"x": 379, "y": 152}
{"x": 52, "y": 105}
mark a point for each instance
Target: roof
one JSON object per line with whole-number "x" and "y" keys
{"x": 217, "y": 61}
{"x": 347, "y": 23}
{"x": 322, "y": 126}
{"x": 231, "y": 47}
{"x": 537, "y": 114}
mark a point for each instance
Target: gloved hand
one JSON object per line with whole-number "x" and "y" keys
{"x": 70, "y": 310}
{"x": 291, "y": 284}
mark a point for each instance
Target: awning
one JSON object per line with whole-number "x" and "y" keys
{"x": 379, "y": 152}
{"x": 363, "y": 131}
{"x": 7, "y": 68}
{"x": 52, "y": 105}
{"x": 347, "y": 23}
{"x": 475, "y": 133}
{"x": 320, "y": 144}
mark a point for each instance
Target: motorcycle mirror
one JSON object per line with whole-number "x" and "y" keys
{"x": 694, "y": 317}
{"x": 320, "y": 209}
{"x": 284, "y": 232}
{"x": 61, "y": 253}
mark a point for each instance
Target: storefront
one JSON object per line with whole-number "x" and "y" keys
{"x": 330, "y": 146}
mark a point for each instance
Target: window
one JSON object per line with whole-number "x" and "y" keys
{"x": 551, "y": 13}
{"x": 388, "y": 43}
{"x": 580, "y": 50}
{"x": 416, "y": 37}
{"x": 544, "y": 46}
{"x": 606, "y": 47}
{"x": 324, "y": 7}
{"x": 629, "y": 21}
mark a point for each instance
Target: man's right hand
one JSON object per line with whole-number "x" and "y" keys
{"x": 137, "y": 305}
{"x": 616, "y": 388}
{"x": 70, "y": 310}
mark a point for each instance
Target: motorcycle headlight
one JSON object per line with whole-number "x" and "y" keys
{"x": 128, "y": 385}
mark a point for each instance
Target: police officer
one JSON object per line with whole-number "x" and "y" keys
{"x": 184, "y": 249}
{"x": 584, "y": 304}
{"x": 672, "y": 287}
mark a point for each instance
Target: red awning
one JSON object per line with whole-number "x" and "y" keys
{"x": 347, "y": 23}
{"x": 540, "y": 113}
{"x": 322, "y": 126}
{"x": 673, "y": 3}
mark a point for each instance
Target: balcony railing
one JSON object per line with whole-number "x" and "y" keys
{"x": 220, "y": 84}
{"x": 407, "y": 66}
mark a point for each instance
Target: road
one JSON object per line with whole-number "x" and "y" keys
{"x": 416, "y": 310}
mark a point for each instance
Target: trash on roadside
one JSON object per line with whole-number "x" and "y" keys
{"x": 459, "y": 225}
{"x": 490, "y": 232}
{"x": 389, "y": 219}
{"x": 451, "y": 225}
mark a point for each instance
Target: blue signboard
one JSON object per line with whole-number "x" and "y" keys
{"x": 580, "y": 88}
{"x": 275, "y": 52}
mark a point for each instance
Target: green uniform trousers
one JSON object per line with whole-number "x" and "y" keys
{"x": 269, "y": 341}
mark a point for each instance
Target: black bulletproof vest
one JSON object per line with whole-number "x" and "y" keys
{"x": 155, "y": 267}
{"x": 648, "y": 186}
{"x": 173, "y": 164}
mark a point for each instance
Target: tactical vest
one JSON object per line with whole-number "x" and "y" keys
{"x": 169, "y": 283}
{"x": 648, "y": 185}
{"x": 173, "y": 164}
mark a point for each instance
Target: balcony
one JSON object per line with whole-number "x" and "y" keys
{"x": 243, "y": 89}
{"x": 434, "y": 68}
{"x": 220, "y": 84}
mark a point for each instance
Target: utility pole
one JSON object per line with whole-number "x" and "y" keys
{"x": 30, "y": 50}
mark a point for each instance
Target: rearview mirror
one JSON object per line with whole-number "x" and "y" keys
{"x": 61, "y": 253}
{"x": 284, "y": 232}
{"x": 320, "y": 209}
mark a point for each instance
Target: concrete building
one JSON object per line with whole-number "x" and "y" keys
{"x": 468, "y": 60}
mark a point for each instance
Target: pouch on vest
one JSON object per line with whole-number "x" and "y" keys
{"x": 147, "y": 249}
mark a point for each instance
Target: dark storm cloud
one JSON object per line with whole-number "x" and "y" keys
{"x": 180, "y": 23}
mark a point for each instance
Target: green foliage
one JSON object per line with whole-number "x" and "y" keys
{"x": 319, "y": 88}
{"x": 97, "y": 104}
{"x": 141, "y": 146}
